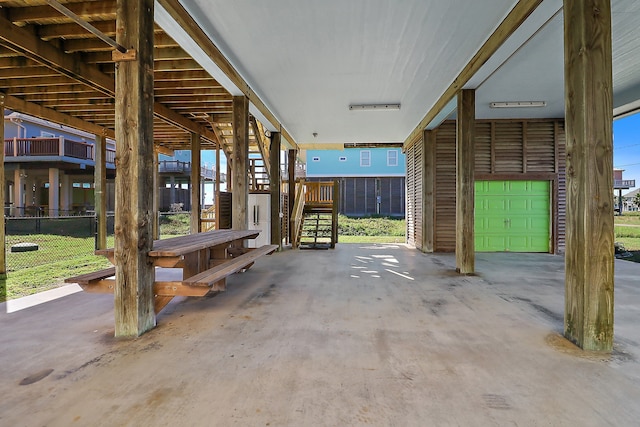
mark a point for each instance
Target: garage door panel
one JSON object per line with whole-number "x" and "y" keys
{"x": 512, "y": 216}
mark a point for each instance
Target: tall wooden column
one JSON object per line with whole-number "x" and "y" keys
{"x": 195, "y": 184}
{"x": 274, "y": 188}
{"x": 291, "y": 169}
{"x": 465, "y": 162}
{"x": 217, "y": 186}
{"x": 589, "y": 255}
{"x": 428, "y": 190}
{"x": 100, "y": 193}
{"x": 155, "y": 226}
{"x": 134, "y": 311}
{"x": 240, "y": 156}
{"x": 54, "y": 192}
{"x": 3, "y": 251}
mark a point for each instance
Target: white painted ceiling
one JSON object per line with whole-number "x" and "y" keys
{"x": 309, "y": 60}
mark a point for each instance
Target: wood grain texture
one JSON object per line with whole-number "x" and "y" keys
{"x": 240, "y": 156}
{"x": 100, "y": 190}
{"x": 3, "y": 249}
{"x": 275, "y": 186}
{"x": 428, "y": 188}
{"x": 589, "y": 258}
{"x": 465, "y": 161}
{"x": 194, "y": 218}
{"x": 134, "y": 299}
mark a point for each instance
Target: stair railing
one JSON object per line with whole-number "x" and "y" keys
{"x": 298, "y": 213}
{"x": 208, "y": 219}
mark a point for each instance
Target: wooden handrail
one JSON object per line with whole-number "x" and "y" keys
{"x": 319, "y": 192}
{"x": 298, "y": 213}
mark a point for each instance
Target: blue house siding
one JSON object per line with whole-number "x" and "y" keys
{"x": 372, "y": 183}
{"x": 347, "y": 162}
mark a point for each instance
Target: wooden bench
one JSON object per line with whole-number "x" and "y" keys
{"x": 95, "y": 281}
{"x": 215, "y": 274}
{"x": 213, "y": 252}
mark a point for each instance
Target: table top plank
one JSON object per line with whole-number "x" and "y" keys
{"x": 181, "y": 245}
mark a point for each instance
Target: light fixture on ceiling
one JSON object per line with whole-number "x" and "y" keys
{"x": 267, "y": 133}
{"x": 379, "y": 107}
{"x": 518, "y": 104}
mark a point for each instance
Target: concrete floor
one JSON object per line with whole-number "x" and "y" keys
{"x": 359, "y": 335}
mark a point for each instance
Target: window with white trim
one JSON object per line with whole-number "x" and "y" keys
{"x": 392, "y": 158}
{"x": 365, "y": 158}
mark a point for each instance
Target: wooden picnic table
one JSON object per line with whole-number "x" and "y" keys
{"x": 206, "y": 260}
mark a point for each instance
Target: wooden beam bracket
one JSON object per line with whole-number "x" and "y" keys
{"x": 129, "y": 55}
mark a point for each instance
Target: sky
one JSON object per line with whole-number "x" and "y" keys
{"x": 626, "y": 147}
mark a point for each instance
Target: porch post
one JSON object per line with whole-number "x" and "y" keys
{"x": 274, "y": 186}
{"x": 589, "y": 257}
{"x": 156, "y": 197}
{"x": 54, "y": 192}
{"x": 465, "y": 158}
{"x": 240, "y": 156}
{"x": 100, "y": 187}
{"x": 195, "y": 184}
{"x": 134, "y": 308}
{"x": 217, "y": 186}
{"x": 3, "y": 252}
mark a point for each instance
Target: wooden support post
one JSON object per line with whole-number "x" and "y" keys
{"x": 429, "y": 190}
{"x": 134, "y": 298}
{"x": 274, "y": 188}
{"x": 100, "y": 194}
{"x": 240, "y": 155}
{"x": 589, "y": 257}
{"x": 3, "y": 249}
{"x": 195, "y": 184}
{"x": 465, "y": 162}
{"x": 54, "y": 192}
{"x": 156, "y": 197}
{"x": 217, "y": 190}
{"x": 291, "y": 165}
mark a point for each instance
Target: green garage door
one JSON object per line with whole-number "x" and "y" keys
{"x": 512, "y": 216}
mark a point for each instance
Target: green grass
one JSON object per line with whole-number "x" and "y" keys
{"x": 370, "y": 230}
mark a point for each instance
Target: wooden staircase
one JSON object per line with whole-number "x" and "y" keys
{"x": 315, "y": 216}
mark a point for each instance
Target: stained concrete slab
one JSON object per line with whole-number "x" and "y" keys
{"x": 360, "y": 335}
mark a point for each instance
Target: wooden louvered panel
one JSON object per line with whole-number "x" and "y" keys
{"x": 445, "y": 191}
{"x": 419, "y": 191}
{"x": 561, "y": 194}
{"x": 411, "y": 196}
{"x": 508, "y": 147}
{"x": 540, "y": 137}
{"x": 483, "y": 147}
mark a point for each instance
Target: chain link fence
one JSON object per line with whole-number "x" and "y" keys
{"x": 42, "y": 251}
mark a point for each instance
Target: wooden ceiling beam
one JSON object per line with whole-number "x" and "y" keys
{"x": 41, "y": 112}
{"x": 17, "y": 62}
{"x": 96, "y": 45}
{"x": 159, "y": 54}
{"x": 55, "y": 89}
{"x": 75, "y": 31}
{"x": 105, "y": 10}
{"x": 217, "y": 98}
{"x": 514, "y": 19}
{"x": 29, "y": 45}
{"x": 26, "y": 72}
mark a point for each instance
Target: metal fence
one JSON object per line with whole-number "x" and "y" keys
{"x": 37, "y": 241}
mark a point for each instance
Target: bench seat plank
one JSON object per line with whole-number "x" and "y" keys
{"x": 94, "y": 276}
{"x": 214, "y": 274}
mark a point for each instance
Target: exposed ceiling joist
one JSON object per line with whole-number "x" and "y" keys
{"x": 28, "y": 44}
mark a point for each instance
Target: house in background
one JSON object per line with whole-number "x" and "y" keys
{"x": 38, "y": 152}
{"x": 372, "y": 177}
{"x": 49, "y": 168}
{"x": 622, "y": 203}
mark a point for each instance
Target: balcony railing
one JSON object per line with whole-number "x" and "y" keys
{"x": 177, "y": 166}
{"x": 52, "y": 147}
